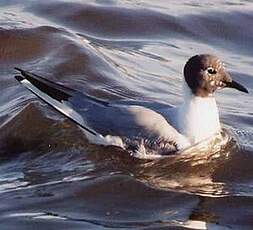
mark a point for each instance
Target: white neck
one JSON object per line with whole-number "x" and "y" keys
{"x": 198, "y": 117}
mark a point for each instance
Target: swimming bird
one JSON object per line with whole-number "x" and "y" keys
{"x": 124, "y": 125}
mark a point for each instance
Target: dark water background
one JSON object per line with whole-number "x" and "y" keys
{"x": 51, "y": 178}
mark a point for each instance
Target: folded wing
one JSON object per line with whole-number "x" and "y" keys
{"x": 102, "y": 122}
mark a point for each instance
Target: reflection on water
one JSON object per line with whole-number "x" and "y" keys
{"x": 192, "y": 170}
{"x": 131, "y": 51}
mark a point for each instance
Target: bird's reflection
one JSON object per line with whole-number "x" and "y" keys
{"x": 191, "y": 171}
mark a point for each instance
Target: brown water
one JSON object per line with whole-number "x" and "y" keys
{"x": 51, "y": 178}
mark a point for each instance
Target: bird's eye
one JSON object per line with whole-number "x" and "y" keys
{"x": 211, "y": 70}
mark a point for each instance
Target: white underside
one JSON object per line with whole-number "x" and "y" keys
{"x": 197, "y": 118}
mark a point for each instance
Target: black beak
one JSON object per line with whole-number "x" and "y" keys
{"x": 235, "y": 85}
{"x": 228, "y": 82}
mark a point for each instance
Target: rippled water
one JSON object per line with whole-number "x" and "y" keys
{"x": 50, "y": 177}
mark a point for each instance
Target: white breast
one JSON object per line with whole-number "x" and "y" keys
{"x": 198, "y": 117}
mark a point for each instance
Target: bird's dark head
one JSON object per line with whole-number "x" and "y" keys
{"x": 205, "y": 73}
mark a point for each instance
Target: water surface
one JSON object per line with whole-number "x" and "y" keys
{"x": 132, "y": 51}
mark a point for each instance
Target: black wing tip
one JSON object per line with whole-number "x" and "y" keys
{"x": 18, "y": 69}
{"x": 19, "y": 78}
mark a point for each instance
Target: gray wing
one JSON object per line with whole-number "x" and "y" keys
{"x": 99, "y": 117}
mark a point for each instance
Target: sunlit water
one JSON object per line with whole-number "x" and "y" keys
{"x": 131, "y": 51}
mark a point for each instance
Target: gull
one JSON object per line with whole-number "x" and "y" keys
{"x": 124, "y": 124}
